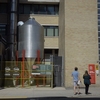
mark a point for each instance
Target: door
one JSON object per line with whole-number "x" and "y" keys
{"x": 57, "y": 70}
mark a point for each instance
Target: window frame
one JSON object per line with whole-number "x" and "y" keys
{"x": 54, "y": 32}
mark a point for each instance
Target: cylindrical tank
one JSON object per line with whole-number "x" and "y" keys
{"x": 31, "y": 39}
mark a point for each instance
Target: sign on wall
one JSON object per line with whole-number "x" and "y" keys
{"x": 92, "y": 72}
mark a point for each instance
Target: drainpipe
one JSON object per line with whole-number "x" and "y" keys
{"x": 12, "y": 28}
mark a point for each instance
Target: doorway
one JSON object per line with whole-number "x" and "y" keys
{"x": 57, "y": 70}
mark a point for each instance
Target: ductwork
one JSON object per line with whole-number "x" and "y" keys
{"x": 12, "y": 28}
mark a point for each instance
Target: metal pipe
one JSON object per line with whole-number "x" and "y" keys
{"x": 12, "y": 28}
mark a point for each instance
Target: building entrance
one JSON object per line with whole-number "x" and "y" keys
{"x": 57, "y": 70}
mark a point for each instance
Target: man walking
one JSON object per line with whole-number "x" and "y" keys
{"x": 75, "y": 75}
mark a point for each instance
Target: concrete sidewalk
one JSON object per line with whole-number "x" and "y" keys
{"x": 47, "y": 92}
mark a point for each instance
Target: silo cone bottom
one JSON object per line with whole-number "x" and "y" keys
{"x": 29, "y": 63}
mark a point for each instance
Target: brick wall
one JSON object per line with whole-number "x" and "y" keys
{"x": 80, "y": 36}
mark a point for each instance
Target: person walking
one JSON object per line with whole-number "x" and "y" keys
{"x": 75, "y": 75}
{"x": 87, "y": 82}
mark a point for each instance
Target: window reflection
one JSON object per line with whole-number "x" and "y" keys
{"x": 39, "y": 9}
{"x": 50, "y": 10}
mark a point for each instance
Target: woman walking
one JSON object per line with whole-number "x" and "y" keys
{"x": 87, "y": 82}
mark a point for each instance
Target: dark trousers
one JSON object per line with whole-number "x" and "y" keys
{"x": 86, "y": 88}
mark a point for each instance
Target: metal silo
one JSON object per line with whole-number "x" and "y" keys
{"x": 31, "y": 39}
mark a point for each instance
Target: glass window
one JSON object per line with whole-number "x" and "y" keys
{"x": 42, "y": 9}
{"x": 50, "y": 10}
{"x": 21, "y": 9}
{"x": 98, "y": 22}
{"x": 98, "y": 5}
{"x": 99, "y": 58}
{"x": 48, "y": 52}
{"x": 27, "y": 9}
{"x": 3, "y": 8}
{"x": 3, "y": 30}
{"x": 98, "y": 11}
{"x": 56, "y": 32}
{"x": 56, "y": 52}
{"x": 99, "y": 17}
{"x": 98, "y": 28}
{"x": 99, "y": 40}
{"x": 98, "y": 34}
{"x": 36, "y": 9}
{"x": 50, "y": 31}
{"x": 39, "y": 9}
{"x": 56, "y": 10}
{"x": 32, "y": 9}
{"x": 45, "y": 32}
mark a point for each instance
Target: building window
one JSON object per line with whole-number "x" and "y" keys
{"x": 3, "y": 30}
{"x": 35, "y": 9}
{"x": 99, "y": 34}
{"x": 51, "y": 31}
{"x": 50, "y": 10}
{"x": 39, "y": 9}
{"x": 99, "y": 27}
{"x": 48, "y": 52}
{"x": 98, "y": 0}
{"x": 98, "y": 17}
{"x": 3, "y": 7}
{"x": 43, "y": 9}
{"x": 98, "y": 22}
{"x": 27, "y": 9}
{"x": 99, "y": 41}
